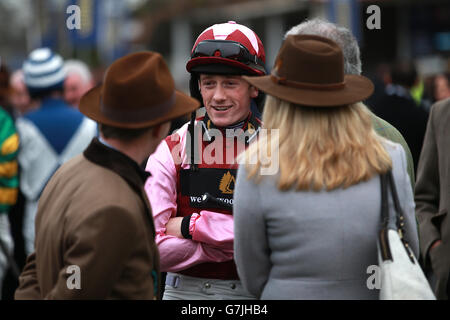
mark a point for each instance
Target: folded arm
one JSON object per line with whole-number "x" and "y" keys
{"x": 208, "y": 244}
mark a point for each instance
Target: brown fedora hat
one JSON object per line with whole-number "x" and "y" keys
{"x": 309, "y": 70}
{"x": 138, "y": 91}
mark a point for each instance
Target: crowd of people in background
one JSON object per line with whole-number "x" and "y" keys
{"x": 41, "y": 128}
{"x": 42, "y": 97}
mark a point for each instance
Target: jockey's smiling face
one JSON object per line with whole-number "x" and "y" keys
{"x": 226, "y": 98}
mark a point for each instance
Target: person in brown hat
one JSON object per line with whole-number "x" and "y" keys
{"x": 94, "y": 227}
{"x": 353, "y": 65}
{"x": 309, "y": 232}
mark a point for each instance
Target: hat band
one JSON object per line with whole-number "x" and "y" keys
{"x": 304, "y": 85}
{"x": 141, "y": 115}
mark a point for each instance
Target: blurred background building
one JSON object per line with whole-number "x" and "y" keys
{"x": 410, "y": 29}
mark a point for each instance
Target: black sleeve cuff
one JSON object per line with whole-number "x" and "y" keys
{"x": 185, "y": 227}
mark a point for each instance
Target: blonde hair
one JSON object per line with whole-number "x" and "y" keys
{"x": 319, "y": 147}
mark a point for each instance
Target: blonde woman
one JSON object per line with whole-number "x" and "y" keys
{"x": 310, "y": 231}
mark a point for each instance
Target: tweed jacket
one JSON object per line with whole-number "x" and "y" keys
{"x": 93, "y": 215}
{"x": 432, "y": 196}
{"x": 314, "y": 245}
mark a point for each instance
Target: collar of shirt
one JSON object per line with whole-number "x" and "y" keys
{"x": 250, "y": 127}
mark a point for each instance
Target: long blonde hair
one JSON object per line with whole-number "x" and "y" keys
{"x": 319, "y": 147}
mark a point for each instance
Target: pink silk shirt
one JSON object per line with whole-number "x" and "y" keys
{"x": 212, "y": 232}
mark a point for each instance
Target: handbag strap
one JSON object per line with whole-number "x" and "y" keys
{"x": 384, "y": 200}
{"x": 383, "y": 241}
{"x": 387, "y": 181}
{"x": 400, "y": 220}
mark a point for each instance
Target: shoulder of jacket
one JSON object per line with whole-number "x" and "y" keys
{"x": 95, "y": 177}
{"x": 440, "y": 107}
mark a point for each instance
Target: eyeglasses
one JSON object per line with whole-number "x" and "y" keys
{"x": 225, "y": 49}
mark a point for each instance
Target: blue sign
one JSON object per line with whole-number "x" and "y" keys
{"x": 346, "y": 13}
{"x": 86, "y": 27}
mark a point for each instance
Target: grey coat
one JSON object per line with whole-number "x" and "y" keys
{"x": 314, "y": 245}
{"x": 432, "y": 195}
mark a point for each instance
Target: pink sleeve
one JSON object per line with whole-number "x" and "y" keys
{"x": 215, "y": 229}
{"x": 175, "y": 254}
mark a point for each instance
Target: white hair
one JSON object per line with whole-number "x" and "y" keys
{"x": 80, "y": 68}
{"x": 342, "y": 36}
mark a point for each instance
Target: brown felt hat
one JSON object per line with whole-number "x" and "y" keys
{"x": 309, "y": 70}
{"x": 138, "y": 91}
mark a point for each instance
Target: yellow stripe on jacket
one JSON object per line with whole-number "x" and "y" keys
{"x": 8, "y": 195}
{"x": 10, "y": 145}
{"x": 8, "y": 169}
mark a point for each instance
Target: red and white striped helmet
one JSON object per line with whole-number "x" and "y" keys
{"x": 228, "y": 44}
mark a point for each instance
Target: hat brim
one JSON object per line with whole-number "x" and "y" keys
{"x": 90, "y": 107}
{"x": 356, "y": 89}
{"x": 200, "y": 61}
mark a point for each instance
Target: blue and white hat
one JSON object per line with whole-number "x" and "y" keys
{"x": 44, "y": 70}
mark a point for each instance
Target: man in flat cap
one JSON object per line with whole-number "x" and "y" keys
{"x": 94, "y": 226}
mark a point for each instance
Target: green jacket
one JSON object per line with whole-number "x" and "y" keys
{"x": 386, "y": 130}
{"x": 9, "y": 145}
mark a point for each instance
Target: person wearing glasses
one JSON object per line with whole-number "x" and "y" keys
{"x": 193, "y": 171}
